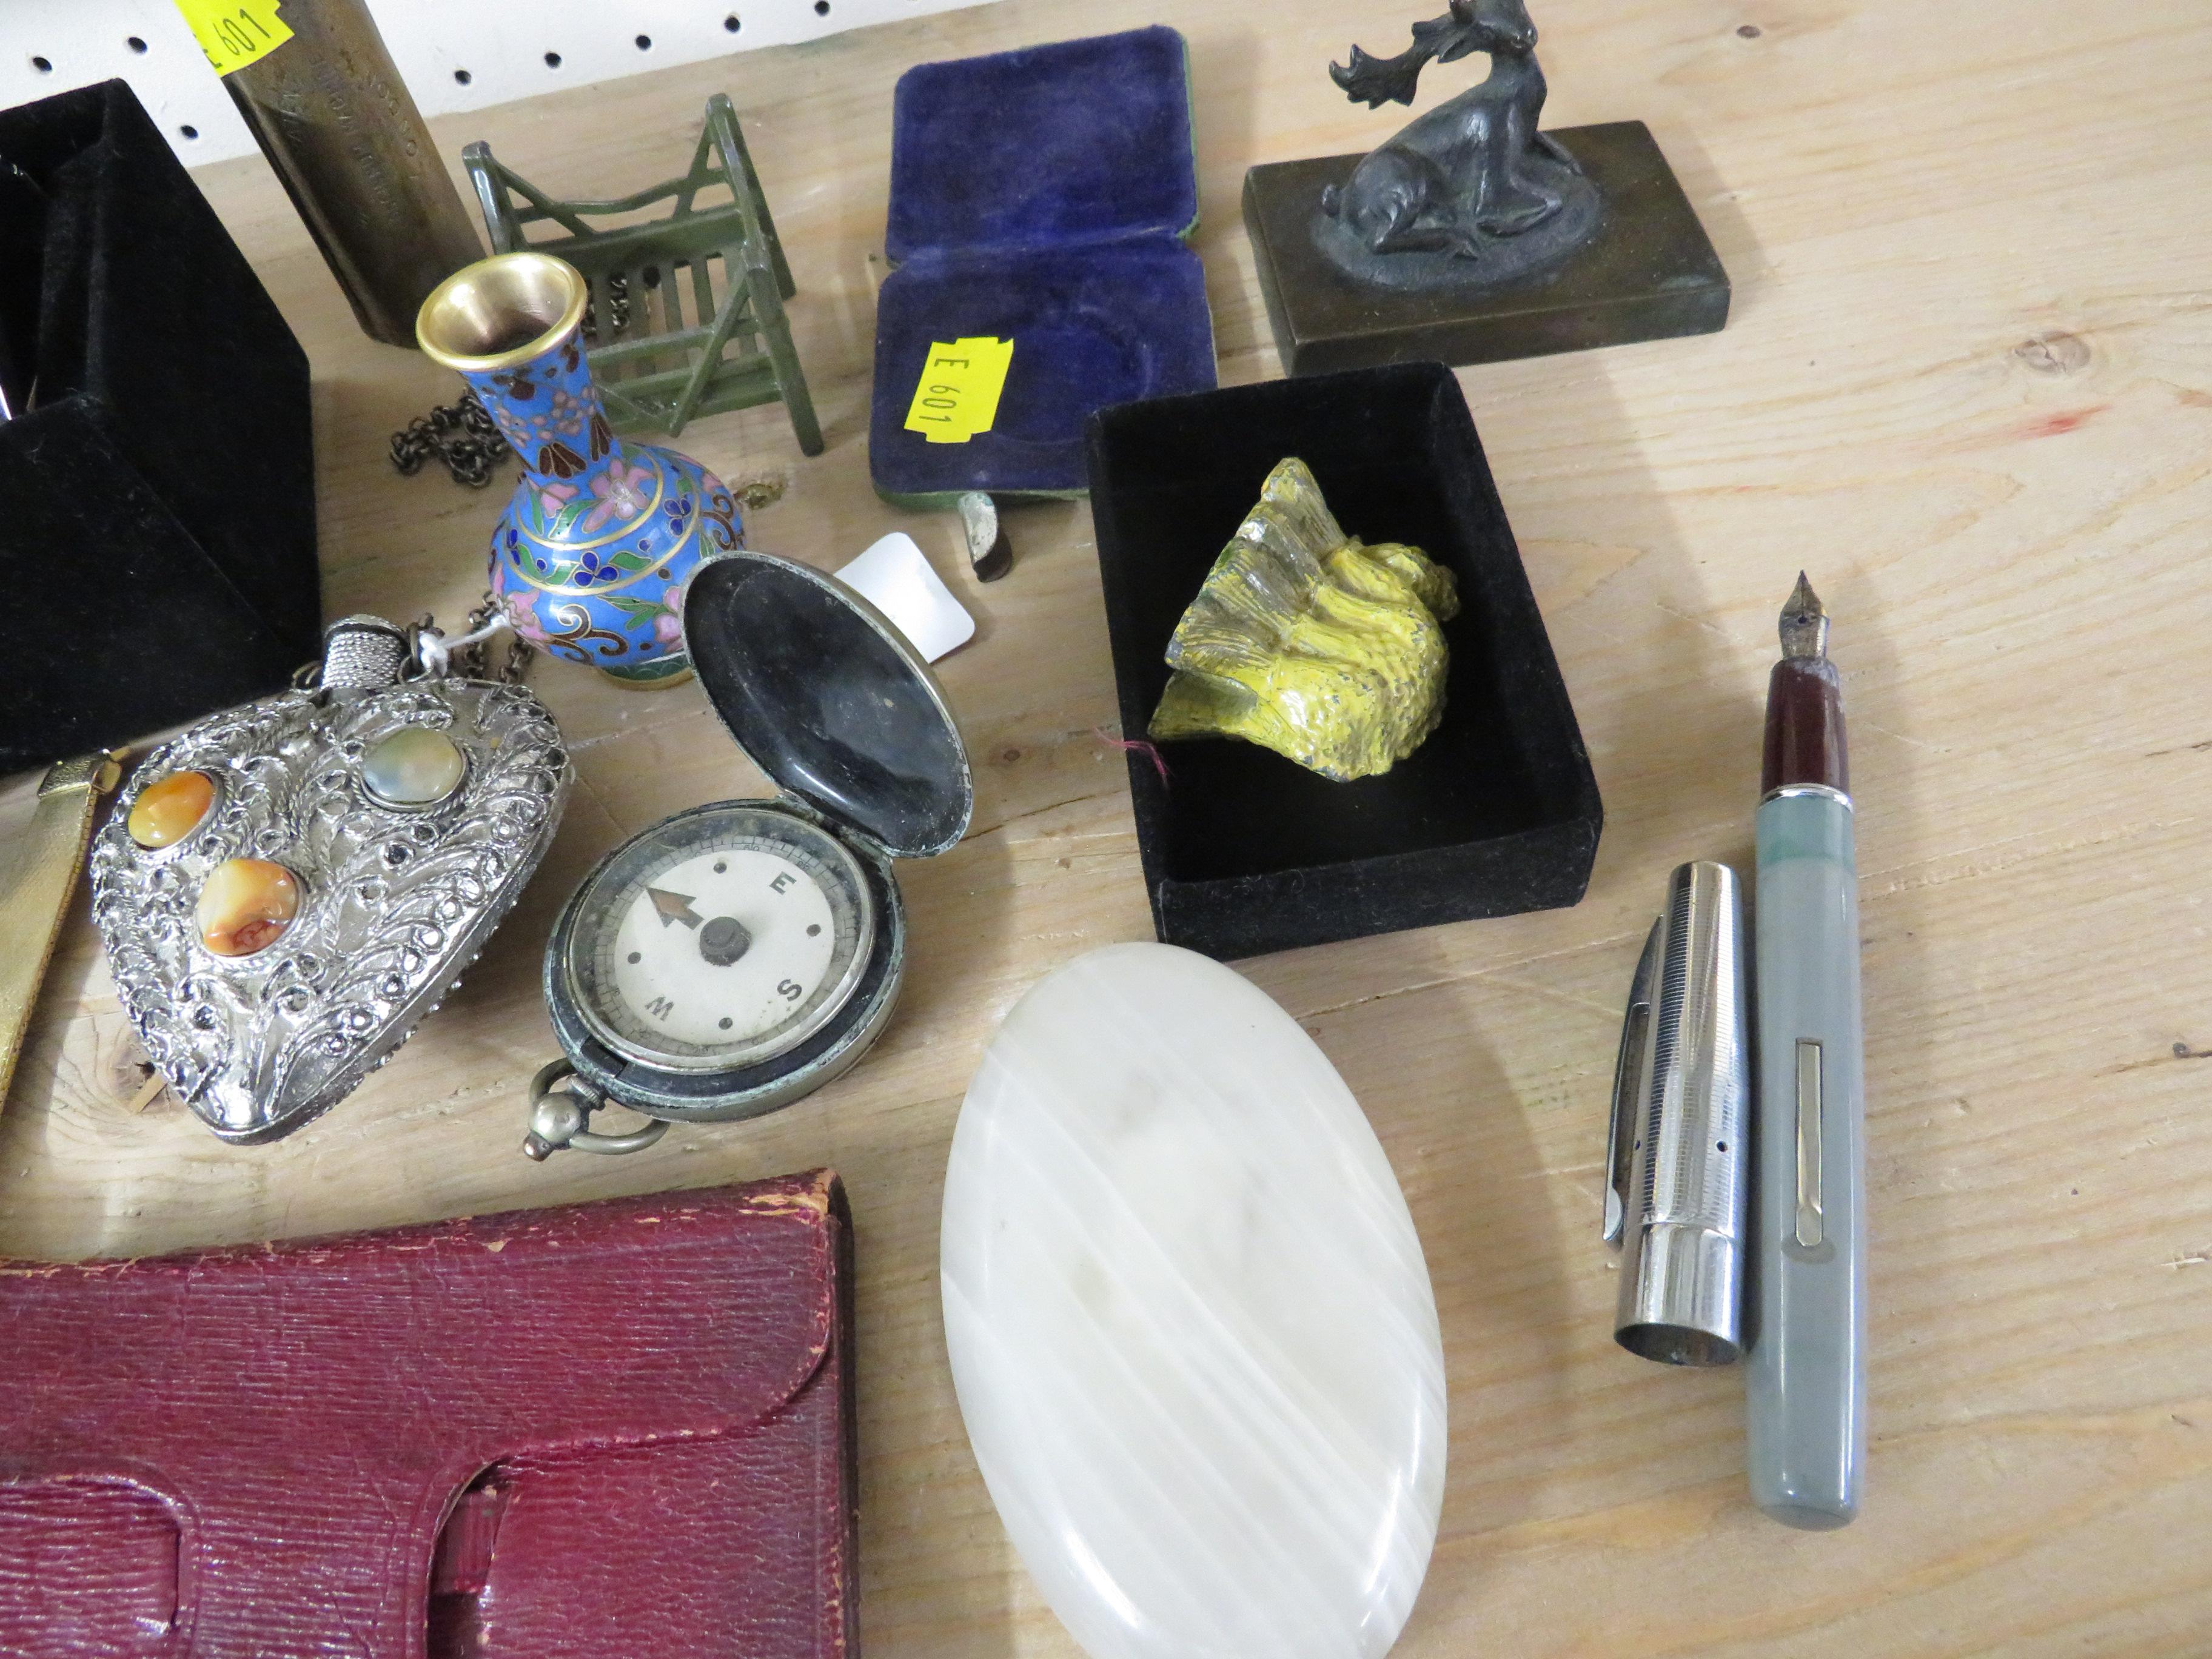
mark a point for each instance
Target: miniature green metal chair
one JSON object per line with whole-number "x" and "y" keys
{"x": 657, "y": 365}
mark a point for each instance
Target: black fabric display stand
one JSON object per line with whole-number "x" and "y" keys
{"x": 157, "y": 499}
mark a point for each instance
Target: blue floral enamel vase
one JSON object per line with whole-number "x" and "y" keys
{"x": 590, "y": 558}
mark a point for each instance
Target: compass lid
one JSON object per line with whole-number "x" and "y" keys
{"x": 827, "y": 698}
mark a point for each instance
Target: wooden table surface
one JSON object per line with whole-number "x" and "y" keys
{"x": 1967, "y": 384}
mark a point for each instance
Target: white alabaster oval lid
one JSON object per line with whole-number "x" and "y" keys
{"x": 1190, "y": 1326}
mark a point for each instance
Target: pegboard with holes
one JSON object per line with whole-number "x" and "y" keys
{"x": 453, "y": 56}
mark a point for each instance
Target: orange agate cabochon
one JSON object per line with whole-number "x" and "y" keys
{"x": 171, "y": 808}
{"x": 245, "y": 904}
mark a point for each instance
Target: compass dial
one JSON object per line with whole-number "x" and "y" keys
{"x": 720, "y": 940}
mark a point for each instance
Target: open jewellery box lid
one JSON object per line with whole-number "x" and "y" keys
{"x": 1052, "y": 146}
{"x": 826, "y": 697}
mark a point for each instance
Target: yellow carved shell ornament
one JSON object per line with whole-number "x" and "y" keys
{"x": 1308, "y": 642}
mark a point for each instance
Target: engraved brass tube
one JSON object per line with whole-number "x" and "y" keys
{"x": 335, "y": 120}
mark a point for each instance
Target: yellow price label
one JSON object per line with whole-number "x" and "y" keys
{"x": 957, "y": 396}
{"x": 235, "y": 33}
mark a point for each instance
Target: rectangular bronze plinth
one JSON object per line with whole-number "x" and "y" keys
{"x": 1648, "y": 273}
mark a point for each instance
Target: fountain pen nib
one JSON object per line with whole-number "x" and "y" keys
{"x": 1804, "y": 623}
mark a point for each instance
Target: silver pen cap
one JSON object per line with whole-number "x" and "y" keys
{"x": 1676, "y": 1156}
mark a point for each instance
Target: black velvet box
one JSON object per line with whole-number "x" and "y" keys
{"x": 1246, "y": 852}
{"x": 158, "y": 531}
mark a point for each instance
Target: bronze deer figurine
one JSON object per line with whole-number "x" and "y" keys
{"x": 1459, "y": 176}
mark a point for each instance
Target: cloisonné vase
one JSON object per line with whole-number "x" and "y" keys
{"x": 590, "y": 558}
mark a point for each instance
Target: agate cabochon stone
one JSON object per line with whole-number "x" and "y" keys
{"x": 169, "y": 809}
{"x": 413, "y": 766}
{"x": 245, "y": 904}
{"x": 1189, "y": 1322}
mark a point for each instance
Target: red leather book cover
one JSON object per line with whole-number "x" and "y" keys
{"x": 613, "y": 1430}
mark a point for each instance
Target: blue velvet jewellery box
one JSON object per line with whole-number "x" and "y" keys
{"x": 1041, "y": 197}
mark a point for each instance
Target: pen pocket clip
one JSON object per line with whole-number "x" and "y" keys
{"x": 1630, "y": 1072}
{"x": 1809, "y": 1219}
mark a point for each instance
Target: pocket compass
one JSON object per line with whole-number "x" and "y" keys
{"x": 737, "y": 956}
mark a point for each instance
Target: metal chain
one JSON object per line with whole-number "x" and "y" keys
{"x": 460, "y": 434}
{"x": 617, "y": 306}
{"x": 473, "y": 662}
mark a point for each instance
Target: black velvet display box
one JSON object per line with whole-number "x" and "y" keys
{"x": 1041, "y": 195}
{"x": 157, "y": 498}
{"x": 1246, "y": 852}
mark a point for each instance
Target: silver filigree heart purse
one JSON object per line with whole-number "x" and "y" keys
{"x": 287, "y": 888}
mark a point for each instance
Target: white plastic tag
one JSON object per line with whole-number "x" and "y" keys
{"x": 893, "y": 576}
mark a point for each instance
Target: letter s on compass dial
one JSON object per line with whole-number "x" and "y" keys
{"x": 723, "y": 946}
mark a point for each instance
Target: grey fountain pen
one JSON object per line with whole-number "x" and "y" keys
{"x": 1806, "y": 1390}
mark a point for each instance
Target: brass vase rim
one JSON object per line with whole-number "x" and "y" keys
{"x": 500, "y": 269}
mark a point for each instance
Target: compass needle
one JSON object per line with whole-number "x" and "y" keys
{"x": 673, "y": 907}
